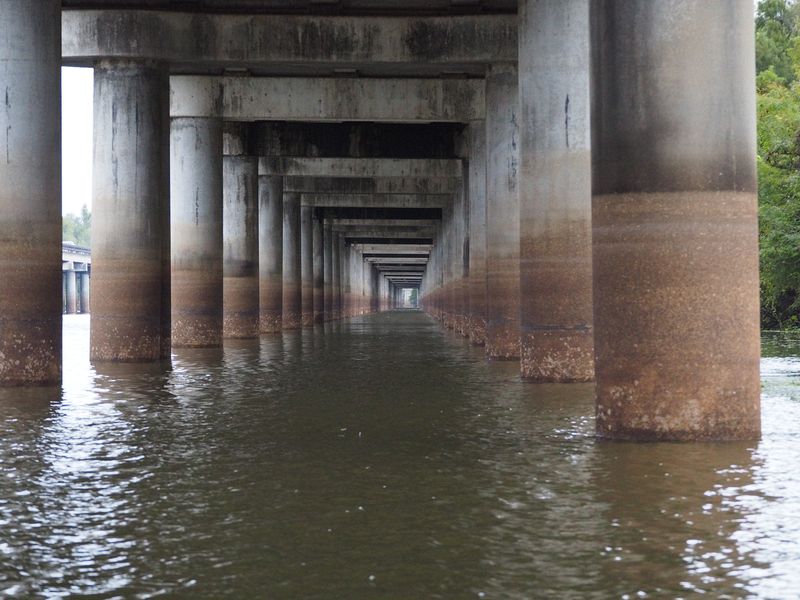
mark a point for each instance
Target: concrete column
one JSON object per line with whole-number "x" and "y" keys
{"x": 292, "y": 283}
{"x": 477, "y": 233}
{"x": 319, "y": 269}
{"x": 555, "y": 192}
{"x": 307, "y": 264}
{"x": 346, "y": 282}
{"x": 240, "y": 236}
{"x": 84, "y": 293}
{"x": 336, "y": 281}
{"x": 30, "y": 193}
{"x": 675, "y": 234}
{"x": 196, "y": 200}
{"x": 462, "y": 241}
{"x": 502, "y": 213}
{"x": 328, "y": 268}
{"x": 71, "y": 289}
{"x": 130, "y": 318}
{"x": 270, "y": 252}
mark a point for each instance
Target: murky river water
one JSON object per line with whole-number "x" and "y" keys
{"x": 382, "y": 459}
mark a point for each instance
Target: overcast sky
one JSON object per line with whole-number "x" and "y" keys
{"x": 76, "y": 135}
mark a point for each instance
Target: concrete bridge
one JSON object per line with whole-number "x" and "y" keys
{"x": 76, "y": 266}
{"x": 569, "y": 183}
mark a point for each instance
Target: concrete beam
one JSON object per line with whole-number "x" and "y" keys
{"x": 423, "y": 249}
{"x": 275, "y": 44}
{"x": 371, "y": 185}
{"x": 385, "y": 222}
{"x": 378, "y": 200}
{"x": 387, "y": 233}
{"x": 330, "y": 99}
{"x": 361, "y": 167}
{"x": 421, "y": 260}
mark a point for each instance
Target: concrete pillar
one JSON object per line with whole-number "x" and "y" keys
{"x": 196, "y": 200}
{"x": 675, "y": 234}
{"x": 319, "y": 269}
{"x": 346, "y": 281}
{"x": 307, "y": 264}
{"x": 131, "y": 288}
{"x": 462, "y": 241}
{"x": 502, "y": 213}
{"x": 477, "y": 233}
{"x": 71, "y": 292}
{"x": 555, "y": 192}
{"x": 336, "y": 281}
{"x": 270, "y": 252}
{"x": 84, "y": 293}
{"x": 239, "y": 236}
{"x": 327, "y": 243}
{"x": 292, "y": 290}
{"x": 30, "y": 193}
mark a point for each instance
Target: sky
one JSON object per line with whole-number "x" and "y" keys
{"x": 76, "y": 139}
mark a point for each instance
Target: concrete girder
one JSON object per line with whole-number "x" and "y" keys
{"x": 384, "y": 222}
{"x": 329, "y": 99}
{"x": 422, "y": 260}
{"x": 275, "y": 44}
{"x": 412, "y": 233}
{"x": 378, "y": 200}
{"x": 433, "y": 168}
{"x": 371, "y": 185}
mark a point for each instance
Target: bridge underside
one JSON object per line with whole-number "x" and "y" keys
{"x": 262, "y": 166}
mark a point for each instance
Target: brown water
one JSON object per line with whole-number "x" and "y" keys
{"x": 380, "y": 458}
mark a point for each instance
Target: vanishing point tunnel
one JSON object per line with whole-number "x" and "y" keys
{"x": 569, "y": 183}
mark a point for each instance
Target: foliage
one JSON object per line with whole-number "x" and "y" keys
{"x": 77, "y": 229}
{"x": 778, "y": 62}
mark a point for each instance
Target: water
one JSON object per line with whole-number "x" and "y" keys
{"x": 383, "y": 458}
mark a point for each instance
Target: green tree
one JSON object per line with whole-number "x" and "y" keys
{"x": 77, "y": 229}
{"x": 776, "y": 30}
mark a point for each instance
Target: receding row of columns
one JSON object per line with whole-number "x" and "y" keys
{"x": 617, "y": 199}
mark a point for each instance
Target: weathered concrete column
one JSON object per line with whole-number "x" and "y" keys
{"x": 327, "y": 243}
{"x": 502, "y": 213}
{"x": 307, "y": 264}
{"x": 71, "y": 292}
{"x": 240, "y": 235}
{"x": 675, "y": 236}
{"x": 318, "y": 269}
{"x": 292, "y": 290}
{"x": 555, "y": 192}
{"x": 462, "y": 241}
{"x": 30, "y": 193}
{"x": 477, "y": 233}
{"x": 84, "y": 293}
{"x": 131, "y": 287}
{"x": 336, "y": 281}
{"x": 196, "y": 200}
{"x": 346, "y": 281}
{"x": 270, "y": 252}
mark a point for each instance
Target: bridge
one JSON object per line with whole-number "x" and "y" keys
{"x": 76, "y": 266}
{"x": 569, "y": 184}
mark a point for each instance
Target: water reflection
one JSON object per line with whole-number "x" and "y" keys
{"x": 378, "y": 457}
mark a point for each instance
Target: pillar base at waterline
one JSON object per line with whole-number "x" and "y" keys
{"x": 677, "y": 316}
{"x": 557, "y": 356}
{"x": 240, "y": 312}
{"x": 196, "y": 324}
{"x": 477, "y": 331}
{"x": 502, "y": 341}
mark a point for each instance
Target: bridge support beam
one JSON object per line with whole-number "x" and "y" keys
{"x": 318, "y": 249}
{"x": 555, "y": 192}
{"x": 502, "y": 213}
{"x": 30, "y": 193}
{"x": 71, "y": 291}
{"x": 292, "y": 283}
{"x": 336, "y": 282}
{"x": 130, "y": 318}
{"x": 270, "y": 252}
{"x": 307, "y": 264}
{"x": 84, "y": 292}
{"x": 240, "y": 236}
{"x": 675, "y": 235}
{"x": 196, "y": 197}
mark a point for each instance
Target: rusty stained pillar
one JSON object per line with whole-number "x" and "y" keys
{"x": 307, "y": 264}
{"x": 476, "y": 287}
{"x": 131, "y": 269}
{"x": 674, "y": 220}
{"x": 555, "y": 192}
{"x": 270, "y": 252}
{"x": 318, "y": 249}
{"x": 240, "y": 235}
{"x": 292, "y": 290}
{"x": 196, "y": 201}
{"x": 502, "y": 213}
